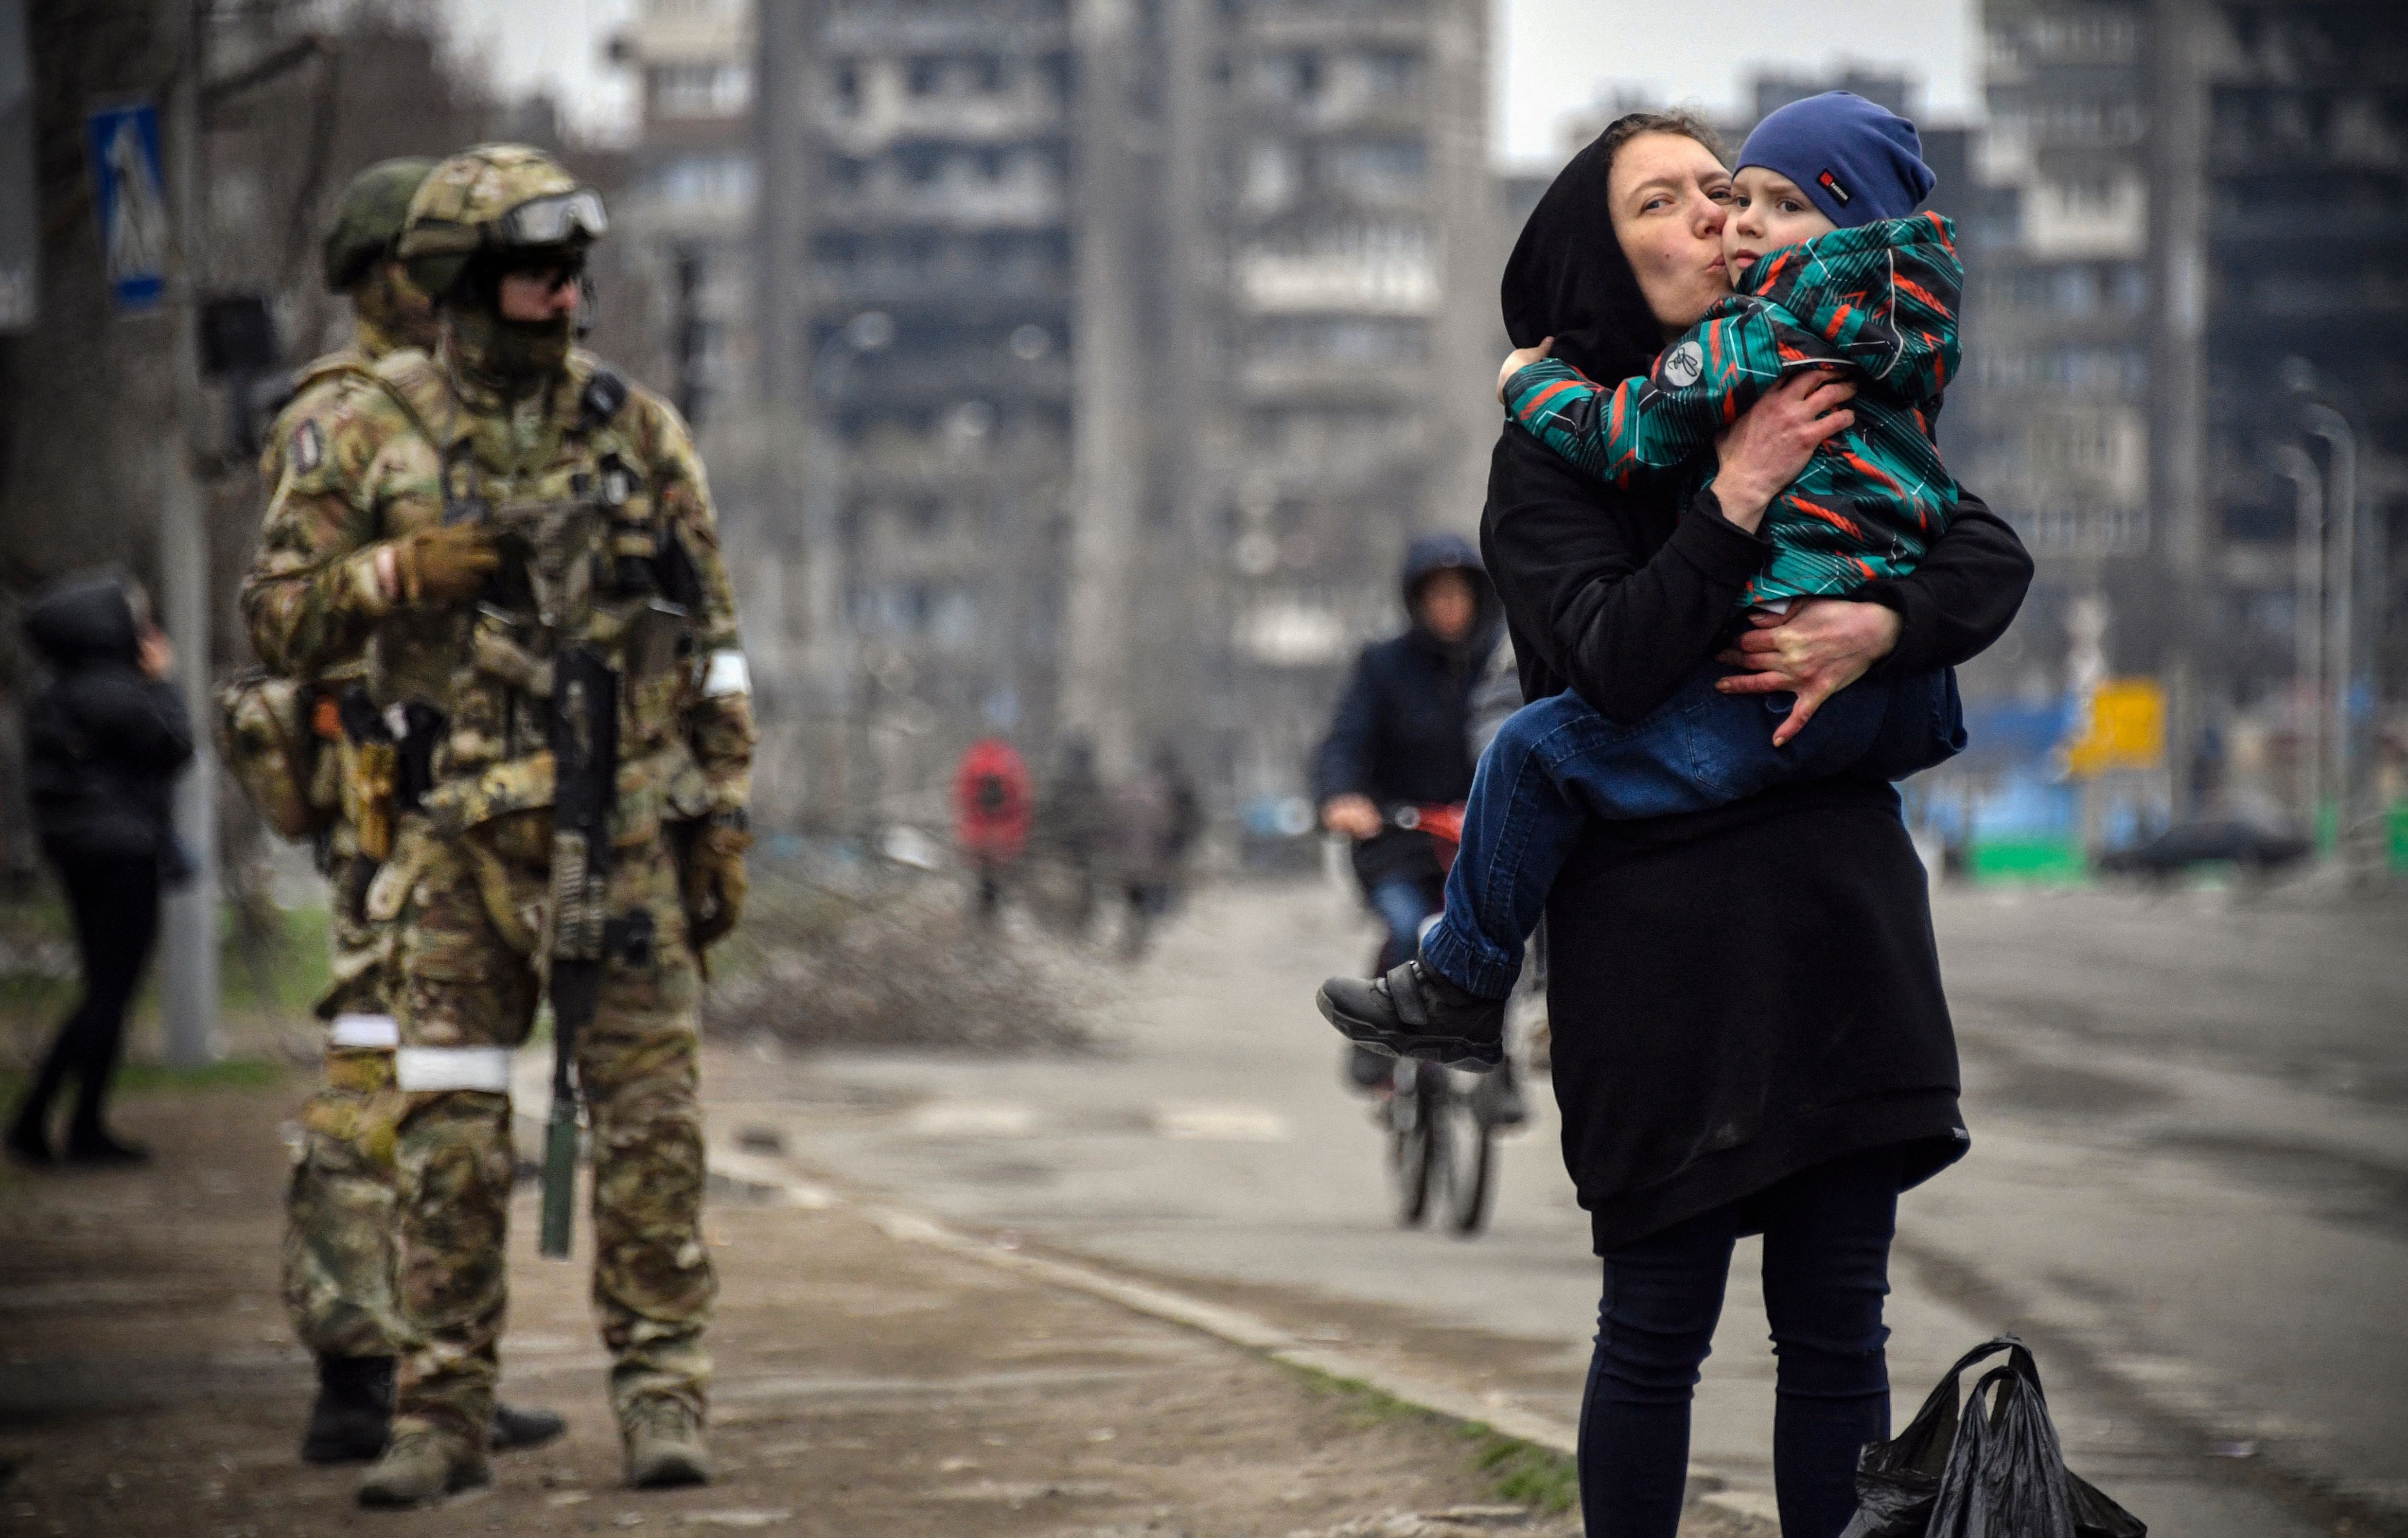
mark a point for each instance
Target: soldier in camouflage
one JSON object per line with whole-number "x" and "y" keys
{"x": 477, "y": 510}
{"x": 339, "y": 1210}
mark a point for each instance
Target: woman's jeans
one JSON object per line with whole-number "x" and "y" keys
{"x": 1826, "y": 1231}
{"x": 1557, "y": 763}
{"x": 115, "y": 900}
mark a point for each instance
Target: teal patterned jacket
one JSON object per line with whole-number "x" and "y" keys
{"x": 1880, "y": 301}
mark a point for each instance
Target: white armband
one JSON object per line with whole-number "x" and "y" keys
{"x": 727, "y": 675}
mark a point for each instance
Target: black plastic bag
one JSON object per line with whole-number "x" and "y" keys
{"x": 1996, "y": 1472}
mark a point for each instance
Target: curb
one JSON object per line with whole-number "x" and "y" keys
{"x": 1235, "y": 1326}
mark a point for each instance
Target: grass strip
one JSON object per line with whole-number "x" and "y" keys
{"x": 1518, "y": 1470}
{"x": 235, "y": 1073}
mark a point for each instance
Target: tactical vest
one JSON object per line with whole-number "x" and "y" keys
{"x": 588, "y": 558}
{"x": 271, "y": 732}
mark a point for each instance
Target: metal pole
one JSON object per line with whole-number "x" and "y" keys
{"x": 2308, "y": 606}
{"x": 189, "y": 998}
{"x": 1107, "y": 471}
{"x": 2341, "y": 515}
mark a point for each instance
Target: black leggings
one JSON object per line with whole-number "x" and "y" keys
{"x": 115, "y": 900}
{"x": 1827, "y": 1233}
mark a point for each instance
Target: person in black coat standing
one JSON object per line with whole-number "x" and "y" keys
{"x": 103, "y": 741}
{"x": 1750, "y": 1034}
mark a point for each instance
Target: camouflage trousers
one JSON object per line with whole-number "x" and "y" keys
{"x": 338, "y": 1262}
{"x": 468, "y": 915}
{"x": 338, "y": 1206}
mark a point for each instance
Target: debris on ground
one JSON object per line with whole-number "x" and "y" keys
{"x": 896, "y": 963}
{"x": 1453, "y": 1522}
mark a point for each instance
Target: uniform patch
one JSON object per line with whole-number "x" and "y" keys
{"x": 309, "y": 448}
{"x": 1684, "y": 366}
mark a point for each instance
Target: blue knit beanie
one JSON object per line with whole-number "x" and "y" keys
{"x": 1858, "y": 162}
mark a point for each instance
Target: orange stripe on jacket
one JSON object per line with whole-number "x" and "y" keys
{"x": 1925, "y": 294}
{"x": 1866, "y": 466}
{"x": 1814, "y": 509}
{"x": 1530, "y": 407}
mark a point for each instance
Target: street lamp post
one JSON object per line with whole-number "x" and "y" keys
{"x": 189, "y": 992}
{"x": 2297, "y": 466}
{"x": 869, "y": 331}
{"x": 2343, "y": 514}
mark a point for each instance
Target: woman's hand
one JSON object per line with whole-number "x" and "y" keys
{"x": 152, "y": 653}
{"x": 1817, "y": 649}
{"x": 1352, "y": 815}
{"x": 1771, "y": 442}
{"x": 1521, "y": 358}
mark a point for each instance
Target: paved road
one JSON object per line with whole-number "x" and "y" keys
{"x": 2189, "y": 1186}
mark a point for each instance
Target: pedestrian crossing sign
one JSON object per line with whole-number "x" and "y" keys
{"x": 130, "y": 195}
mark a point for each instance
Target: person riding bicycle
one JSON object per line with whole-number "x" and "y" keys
{"x": 1402, "y": 736}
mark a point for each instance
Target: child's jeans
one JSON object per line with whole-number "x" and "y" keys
{"x": 1557, "y": 763}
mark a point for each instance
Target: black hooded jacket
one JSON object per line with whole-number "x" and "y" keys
{"x": 103, "y": 741}
{"x": 1740, "y": 992}
{"x": 1403, "y": 733}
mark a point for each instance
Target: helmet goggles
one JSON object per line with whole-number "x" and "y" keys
{"x": 554, "y": 221}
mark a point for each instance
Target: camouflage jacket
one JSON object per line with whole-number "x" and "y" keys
{"x": 1879, "y": 301}
{"x": 614, "y": 470}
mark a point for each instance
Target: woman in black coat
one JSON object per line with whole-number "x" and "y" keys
{"x": 1749, "y": 1032}
{"x": 103, "y": 741}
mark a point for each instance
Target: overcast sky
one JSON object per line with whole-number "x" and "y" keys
{"x": 1552, "y": 57}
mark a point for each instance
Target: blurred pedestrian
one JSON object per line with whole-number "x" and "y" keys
{"x": 1155, "y": 819}
{"x": 993, "y": 802}
{"x": 1753, "y": 1035}
{"x": 1072, "y": 823}
{"x": 105, "y": 738}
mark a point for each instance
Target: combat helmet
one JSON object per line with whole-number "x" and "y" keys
{"x": 368, "y": 219}
{"x": 495, "y": 200}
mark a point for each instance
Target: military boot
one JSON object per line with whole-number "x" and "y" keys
{"x": 422, "y": 1466}
{"x": 515, "y": 1429}
{"x": 664, "y": 1445}
{"x": 353, "y": 1412}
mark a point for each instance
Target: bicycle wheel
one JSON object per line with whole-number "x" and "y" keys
{"x": 1470, "y": 1160}
{"x": 1415, "y": 1149}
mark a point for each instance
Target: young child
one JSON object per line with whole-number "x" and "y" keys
{"x": 1831, "y": 273}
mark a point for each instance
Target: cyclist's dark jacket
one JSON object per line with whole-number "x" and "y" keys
{"x": 1402, "y": 732}
{"x": 1741, "y": 993}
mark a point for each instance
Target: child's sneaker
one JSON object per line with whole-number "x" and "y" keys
{"x": 1415, "y": 1012}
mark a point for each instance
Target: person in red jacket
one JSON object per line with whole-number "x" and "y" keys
{"x": 993, "y": 803}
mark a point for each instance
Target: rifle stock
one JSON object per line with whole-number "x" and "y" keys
{"x": 585, "y": 749}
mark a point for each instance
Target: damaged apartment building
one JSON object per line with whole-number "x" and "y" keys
{"x": 1110, "y": 351}
{"x": 2182, "y": 376}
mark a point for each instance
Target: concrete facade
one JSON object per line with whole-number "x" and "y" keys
{"x": 1110, "y": 352}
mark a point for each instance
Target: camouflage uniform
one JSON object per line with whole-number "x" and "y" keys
{"x": 340, "y": 1213}
{"x": 465, "y": 890}
{"x": 339, "y": 1269}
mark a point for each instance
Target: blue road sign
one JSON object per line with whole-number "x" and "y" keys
{"x": 130, "y": 197}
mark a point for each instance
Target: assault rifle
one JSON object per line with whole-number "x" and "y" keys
{"x": 585, "y": 755}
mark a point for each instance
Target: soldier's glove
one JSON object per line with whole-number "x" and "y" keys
{"x": 715, "y": 880}
{"x": 436, "y": 564}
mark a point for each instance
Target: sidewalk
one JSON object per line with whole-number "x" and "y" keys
{"x": 869, "y": 1382}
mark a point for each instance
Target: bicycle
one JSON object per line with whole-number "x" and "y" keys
{"x": 1441, "y": 1136}
{"x": 1440, "y": 1140}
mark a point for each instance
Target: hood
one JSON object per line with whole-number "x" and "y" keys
{"x": 1431, "y": 553}
{"x": 1568, "y": 279}
{"x": 84, "y": 620}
